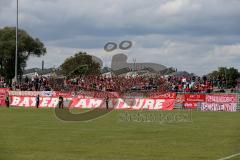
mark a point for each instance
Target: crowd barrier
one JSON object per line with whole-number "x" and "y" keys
{"x": 135, "y": 101}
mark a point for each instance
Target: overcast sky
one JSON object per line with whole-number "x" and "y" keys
{"x": 193, "y": 35}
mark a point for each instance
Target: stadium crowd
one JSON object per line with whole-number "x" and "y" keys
{"x": 118, "y": 84}
{"x": 3, "y": 83}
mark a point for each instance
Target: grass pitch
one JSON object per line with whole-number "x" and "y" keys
{"x": 27, "y": 134}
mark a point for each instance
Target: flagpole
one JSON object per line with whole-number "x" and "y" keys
{"x": 16, "y": 54}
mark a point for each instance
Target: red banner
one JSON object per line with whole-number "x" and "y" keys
{"x": 194, "y": 97}
{"x": 169, "y": 95}
{"x": 90, "y": 103}
{"x": 190, "y": 105}
{"x": 179, "y": 99}
{"x": 3, "y": 92}
{"x": 217, "y": 98}
{"x": 64, "y": 94}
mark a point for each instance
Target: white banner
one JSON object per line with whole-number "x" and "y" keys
{"x": 227, "y": 107}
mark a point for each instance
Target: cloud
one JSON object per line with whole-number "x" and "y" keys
{"x": 60, "y": 18}
{"x": 173, "y": 7}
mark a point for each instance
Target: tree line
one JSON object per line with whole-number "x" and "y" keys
{"x": 27, "y": 46}
{"x": 80, "y": 63}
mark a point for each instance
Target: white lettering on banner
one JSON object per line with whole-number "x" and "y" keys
{"x": 229, "y": 107}
{"x": 82, "y": 104}
{"x": 95, "y": 103}
{"x": 33, "y": 99}
{"x": 45, "y": 101}
{"x": 25, "y": 102}
{"x": 15, "y": 101}
{"x": 121, "y": 104}
{"x": 112, "y": 103}
{"x": 119, "y": 101}
{"x": 127, "y": 103}
{"x": 221, "y": 98}
{"x": 24, "y": 93}
{"x": 190, "y": 105}
{"x": 138, "y": 104}
{"x": 159, "y": 104}
{"x": 141, "y": 102}
{"x": 53, "y": 103}
{"x": 149, "y": 104}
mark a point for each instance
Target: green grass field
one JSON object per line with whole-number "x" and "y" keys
{"x": 31, "y": 134}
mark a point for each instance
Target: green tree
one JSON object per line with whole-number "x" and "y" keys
{"x": 230, "y": 74}
{"x": 27, "y": 46}
{"x": 80, "y": 64}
